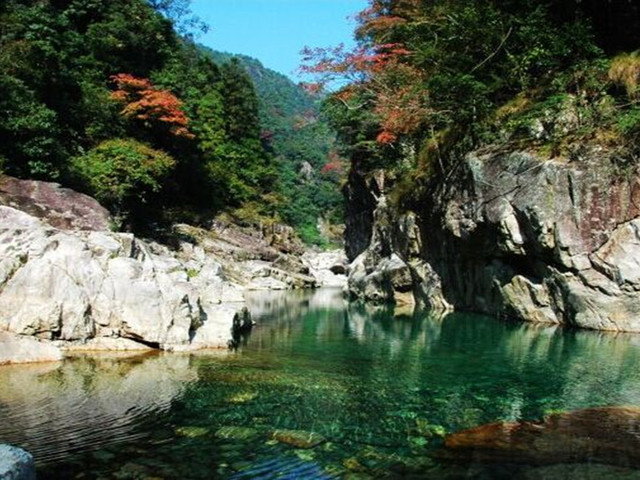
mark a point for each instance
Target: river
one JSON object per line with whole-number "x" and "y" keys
{"x": 376, "y": 387}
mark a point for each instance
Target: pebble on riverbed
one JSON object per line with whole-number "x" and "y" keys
{"x": 298, "y": 438}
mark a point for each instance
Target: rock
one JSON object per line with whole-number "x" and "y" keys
{"x": 96, "y": 288}
{"x": 328, "y": 268}
{"x": 508, "y": 234}
{"x": 16, "y": 464}
{"x": 266, "y": 258}
{"x": 236, "y": 433}
{"x": 192, "y": 432}
{"x": 18, "y": 349}
{"x": 298, "y": 438}
{"x": 59, "y": 207}
{"x": 306, "y": 172}
{"x": 602, "y": 435}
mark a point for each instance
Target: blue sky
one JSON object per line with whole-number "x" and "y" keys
{"x": 274, "y": 31}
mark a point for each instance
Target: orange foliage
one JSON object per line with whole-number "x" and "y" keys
{"x": 382, "y": 69}
{"x": 145, "y": 102}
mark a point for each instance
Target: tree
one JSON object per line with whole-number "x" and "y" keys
{"x": 240, "y": 102}
{"x": 122, "y": 174}
{"x": 154, "y": 108}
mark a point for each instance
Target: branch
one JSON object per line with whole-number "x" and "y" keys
{"x": 495, "y": 52}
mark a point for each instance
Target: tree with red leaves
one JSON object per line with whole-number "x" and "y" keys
{"x": 142, "y": 101}
{"x": 380, "y": 68}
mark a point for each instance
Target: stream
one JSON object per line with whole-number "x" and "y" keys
{"x": 321, "y": 388}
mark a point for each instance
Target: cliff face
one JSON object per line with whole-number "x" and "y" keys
{"x": 509, "y": 234}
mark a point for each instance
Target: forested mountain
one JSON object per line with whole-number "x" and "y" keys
{"x": 109, "y": 98}
{"x": 308, "y": 164}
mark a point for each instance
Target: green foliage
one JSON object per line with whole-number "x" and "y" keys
{"x": 122, "y": 173}
{"x": 294, "y": 131}
{"x": 487, "y": 69}
{"x": 92, "y": 93}
{"x": 29, "y": 133}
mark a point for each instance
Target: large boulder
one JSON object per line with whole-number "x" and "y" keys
{"x": 605, "y": 435}
{"x": 16, "y": 464}
{"x": 73, "y": 287}
{"x": 17, "y": 349}
{"x": 60, "y": 207}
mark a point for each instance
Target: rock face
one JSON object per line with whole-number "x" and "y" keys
{"x": 59, "y": 207}
{"x": 600, "y": 435}
{"x": 506, "y": 234}
{"x": 72, "y": 288}
{"x": 16, "y": 464}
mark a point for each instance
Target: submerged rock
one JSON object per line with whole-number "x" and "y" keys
{"x": 606, "y": 435}
{"x": 192, "y": 432}
{"x": 236, "y": 433}
{"x": 298, "y": 438}
{"x": 16, "y": 464}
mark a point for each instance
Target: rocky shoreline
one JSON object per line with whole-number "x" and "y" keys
{"x": 69, "y": 284}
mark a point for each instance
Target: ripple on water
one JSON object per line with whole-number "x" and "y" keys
{"x": 54, "y": 410}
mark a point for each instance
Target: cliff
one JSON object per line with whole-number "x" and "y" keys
{"x": 509, "y": 233}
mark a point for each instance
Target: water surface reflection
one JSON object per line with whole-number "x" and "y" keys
{"x": 381, "y": 387}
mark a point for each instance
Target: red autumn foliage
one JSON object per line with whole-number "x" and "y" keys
{"x": 379, "y": 73}
{"x": 385, "y": 138}
{"x": 335, "y": 164}
{"x": 145, "y": 102}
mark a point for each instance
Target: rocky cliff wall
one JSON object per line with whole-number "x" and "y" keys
{"x": 509, "y": 234}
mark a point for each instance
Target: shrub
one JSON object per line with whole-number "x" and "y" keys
{"x": 625, "y": 71}
{"x": 122, "y": 173}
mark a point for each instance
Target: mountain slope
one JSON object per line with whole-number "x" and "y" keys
{"x": 309, "y": 168}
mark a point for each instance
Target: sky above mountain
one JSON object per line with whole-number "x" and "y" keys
{"x": 274, "y": 31}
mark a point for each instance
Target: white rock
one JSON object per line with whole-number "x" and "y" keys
{"x": 17, "y": 349}
{"x": 80, "y": 286}
{"x": 16, "y": 464}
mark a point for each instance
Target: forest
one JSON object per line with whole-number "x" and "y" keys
{"x": 431, "y": 79}
{"x": 116, "y": 99}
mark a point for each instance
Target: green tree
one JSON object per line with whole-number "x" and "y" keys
{"x": 123, "y": 174}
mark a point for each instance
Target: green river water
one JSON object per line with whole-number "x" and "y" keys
{"x": 380, "y": 387}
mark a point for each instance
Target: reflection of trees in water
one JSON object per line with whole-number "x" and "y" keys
{"x": 515, "y": 371}
{"x": 86, "y": 402}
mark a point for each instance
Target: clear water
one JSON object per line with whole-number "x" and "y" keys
{"x": 381, "y": 387}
